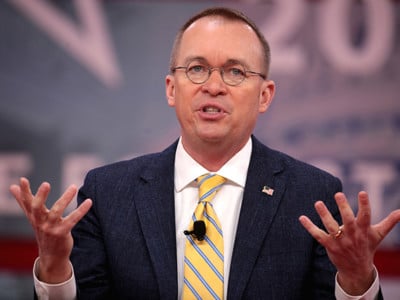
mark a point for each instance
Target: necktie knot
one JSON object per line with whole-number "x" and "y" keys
{"x": 209, "y": 184}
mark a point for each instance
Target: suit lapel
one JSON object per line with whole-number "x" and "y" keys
{"x": 155, "y": 207}
{"x": 256, "y": 215}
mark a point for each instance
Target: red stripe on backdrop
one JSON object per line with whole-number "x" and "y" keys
{"x": 388, "y": 262}
{"x": 19, "y": 255}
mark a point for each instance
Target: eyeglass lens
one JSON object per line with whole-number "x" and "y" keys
{"x": 231, "y": 74}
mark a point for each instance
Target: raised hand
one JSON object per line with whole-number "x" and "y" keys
{"x": 52, "y": 229}
{"x": 351, "y": 246}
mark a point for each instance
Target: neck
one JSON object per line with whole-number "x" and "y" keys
{"x": 212, "y": 155}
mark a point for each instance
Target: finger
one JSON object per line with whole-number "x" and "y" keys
{"x": 364, "y": 211}
{"x": 26, "y": 192}
{"x": 77, "y": 214}
{"x": 387, "y": 224}
{"x": 22, "y": 193}
{"x": 314, "y": 230}
{"x": 39, "y": 209}
{"x": 329, "y": 222}
{"x": 60, "y": 205}
{"x": 346, "y": 212}
{"x": 15, "y": 190}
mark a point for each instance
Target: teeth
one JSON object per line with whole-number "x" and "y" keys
{"x": 211, "y": 109}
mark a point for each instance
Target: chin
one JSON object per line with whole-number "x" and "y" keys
{"x": 213, "y": 137}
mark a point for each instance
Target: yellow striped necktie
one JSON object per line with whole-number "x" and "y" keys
{"x": 204, "y": 260}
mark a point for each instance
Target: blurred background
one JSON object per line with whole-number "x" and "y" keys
{"x": 82, "y": 84}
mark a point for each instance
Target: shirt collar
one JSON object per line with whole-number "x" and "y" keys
{"x": 187, "y": 169}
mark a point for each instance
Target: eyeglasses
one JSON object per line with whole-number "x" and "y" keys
{"x": 232, "y": 74}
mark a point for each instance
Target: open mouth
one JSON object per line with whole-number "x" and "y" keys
{"x": 211, "y": 109}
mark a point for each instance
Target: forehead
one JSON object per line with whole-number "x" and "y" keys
{"x": 218, "y": 40}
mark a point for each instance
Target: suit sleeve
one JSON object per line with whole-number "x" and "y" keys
{"x": 88, "y": 255}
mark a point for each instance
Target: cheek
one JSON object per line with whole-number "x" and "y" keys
{"x": 250, "y": 103}
{"x": 182, "y": 108}
{"x": 185, "y": 98}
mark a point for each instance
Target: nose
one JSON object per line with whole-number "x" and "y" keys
{"x": 215, "y": 84}
{"x": 219, "y": 71}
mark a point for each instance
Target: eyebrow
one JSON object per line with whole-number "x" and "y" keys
{"x": 237, "y": 62}
{"x": 193, "y": 58}
{"x": 201, "y": 59}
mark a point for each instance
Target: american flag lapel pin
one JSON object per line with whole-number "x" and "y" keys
{"x": 268, "y": 190}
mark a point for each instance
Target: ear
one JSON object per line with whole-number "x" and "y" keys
{"x": 266, "y": 95}
{"x": 170, "y": 89}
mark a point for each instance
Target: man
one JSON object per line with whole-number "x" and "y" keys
{"x": 128, "y": 237}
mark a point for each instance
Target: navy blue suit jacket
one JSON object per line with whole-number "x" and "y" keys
{"x": 125, "y": 248}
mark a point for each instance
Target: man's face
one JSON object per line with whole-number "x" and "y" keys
{"x": 214, "y": 112}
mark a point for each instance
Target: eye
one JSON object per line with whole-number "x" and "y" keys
{"x": 196, "y": 69}
{"x": 235, "y": 71}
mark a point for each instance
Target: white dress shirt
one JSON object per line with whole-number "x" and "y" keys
{"x": 227, "y": 204}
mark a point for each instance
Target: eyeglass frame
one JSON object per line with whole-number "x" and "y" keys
{"x": 221, "y": 72}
